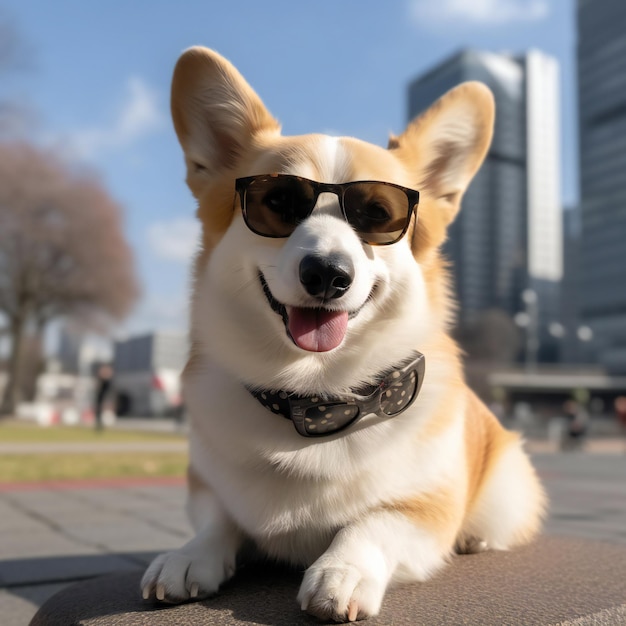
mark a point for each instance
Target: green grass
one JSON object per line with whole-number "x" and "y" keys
{"x": 110, "y": 463}
{"x": 42, "y": 467}
{"x": 15, "y": 432}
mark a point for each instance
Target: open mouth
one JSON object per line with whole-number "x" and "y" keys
{"x": 312, "y": 329}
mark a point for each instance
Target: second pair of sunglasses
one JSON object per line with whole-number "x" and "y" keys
{"x": 322, "y": 416}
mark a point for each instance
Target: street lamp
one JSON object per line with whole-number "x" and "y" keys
{"x": 557, "y": 330}
{"x": 529, "y": 320}
{"x": 583, "y": 333}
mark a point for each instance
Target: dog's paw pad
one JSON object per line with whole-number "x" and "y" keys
{"x": 176, "y": 577}
{"x": 342, "y": 593}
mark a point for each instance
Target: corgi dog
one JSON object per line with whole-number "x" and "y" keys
{"x": 331, "y": 426}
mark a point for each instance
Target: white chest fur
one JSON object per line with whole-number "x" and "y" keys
{"x": 291, "y": 493}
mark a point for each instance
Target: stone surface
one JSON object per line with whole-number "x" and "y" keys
{"x": 119, "y": 528}
{"x": 552, "y": 581}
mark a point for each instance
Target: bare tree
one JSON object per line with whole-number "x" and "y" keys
{"x": 62, "y": 251}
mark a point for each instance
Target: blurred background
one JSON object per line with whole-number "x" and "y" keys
{"x": 97, "y": 234}
{"x": 97, "y": 227}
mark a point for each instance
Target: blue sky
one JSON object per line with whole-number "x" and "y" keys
{"x": 97, "y": 78}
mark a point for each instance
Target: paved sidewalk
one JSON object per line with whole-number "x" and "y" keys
{"x": 52, "y": 537}
{"x": 89, "y": 448}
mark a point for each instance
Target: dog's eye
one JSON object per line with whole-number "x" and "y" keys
{"x": 286, "y": 203}
{"x": 279, "y": 200}
{"x": 370, "y": 217}
{"x": 374, "y": 212}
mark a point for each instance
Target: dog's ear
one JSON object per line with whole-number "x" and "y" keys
{"x": 216, "y": 113}
{"x": 445, "y": 146}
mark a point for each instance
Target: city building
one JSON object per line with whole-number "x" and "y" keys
{"x": 575, "y": 338}
{"x": 602, "y": 120}
{"x": 507, "y": 239}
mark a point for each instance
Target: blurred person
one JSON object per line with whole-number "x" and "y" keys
{"x": 620, "y": 414}
{"x": 577, "y": 424}
{"x": 104, "y": 392}
{"x": 179, "y": 412}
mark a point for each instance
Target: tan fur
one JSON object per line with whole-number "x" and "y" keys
{"x": 239, "y": 114}
{"x": 485, "y": 440}
{"x": 437, "y": 511}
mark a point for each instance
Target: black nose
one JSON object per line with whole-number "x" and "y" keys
{"x": 326, "y": 277}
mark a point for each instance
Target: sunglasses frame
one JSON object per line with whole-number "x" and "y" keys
{"x": 367, "y": 405}
{"x": 339, "y": 189}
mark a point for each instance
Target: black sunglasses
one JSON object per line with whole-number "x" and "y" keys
{"x": 274, "y": 204}
{"x": 318, "y": 417}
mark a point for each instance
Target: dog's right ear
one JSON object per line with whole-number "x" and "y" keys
{"x": 446, "y": 145}
{"x": 216, "y": 113}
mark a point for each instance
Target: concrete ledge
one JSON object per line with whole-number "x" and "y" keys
{"x": 553, "y": 581}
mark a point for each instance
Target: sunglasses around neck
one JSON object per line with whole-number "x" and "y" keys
{"x": 274, "y": 204}
{"x": 319, "y": 416}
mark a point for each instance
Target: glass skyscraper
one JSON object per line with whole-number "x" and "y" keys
{"x": 507, "y": 237}
{"x": 602, "y": 102}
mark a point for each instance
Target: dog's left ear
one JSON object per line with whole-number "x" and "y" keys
{"x": 446, "y": 145}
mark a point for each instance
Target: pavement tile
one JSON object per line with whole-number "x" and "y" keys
{"x": 129, "y": 535}
{"x": 15, "y": 520}
{"x": 75, "y": 513}
{"x": 44, "y": 503}
{"x": 137, "y": 503}
{"x": 20, "y": 571}
{"x": 69, "y": 534}
{"x": 170, "y": 495}
{"x": 173, "y": 518}
{"x": 26, "y": 544}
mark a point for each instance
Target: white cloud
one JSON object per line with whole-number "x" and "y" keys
{"x": 478, "y": 12}
{"x": 138, "y": 116}
{"x": 157, "y": 311}
{"x": 174, "y": 240}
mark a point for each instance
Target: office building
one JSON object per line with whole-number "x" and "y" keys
{"x": 575, "y": 338}
{"x": 602, "y": 119}
{"x": 508, "y": 236}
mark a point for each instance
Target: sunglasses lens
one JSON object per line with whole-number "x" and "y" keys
{"x": 275, "y": 205}
{"x": 329, "y": 418}
{"x": 400, "y": 394}
{"x": 378, "y": 212}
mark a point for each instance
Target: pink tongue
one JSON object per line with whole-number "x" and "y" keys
{"x": 317, "y": 330}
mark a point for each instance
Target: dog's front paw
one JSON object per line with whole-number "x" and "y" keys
{"x": 342, "y": 591}
{"x": 178, "y": 576}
